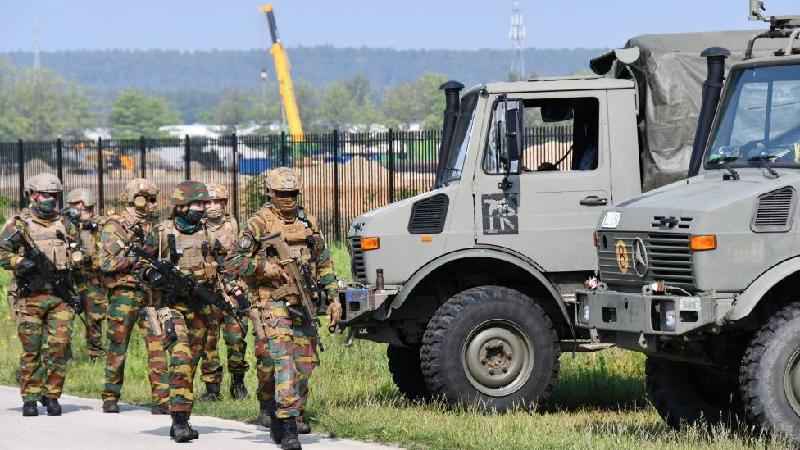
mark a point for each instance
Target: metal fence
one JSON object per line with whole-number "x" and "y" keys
{"x": 343, "y": 174}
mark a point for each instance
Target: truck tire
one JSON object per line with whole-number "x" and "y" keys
{"x": 493, "y": 347}
{"x": 406, "y": 372}
{"x": 686, "y": 394}
{"x": 770, "y": 374}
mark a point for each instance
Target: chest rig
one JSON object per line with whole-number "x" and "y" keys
{"x": 226, "y": 235}
{"x": 50, "y": 237}
{"x": 190, "y": 252}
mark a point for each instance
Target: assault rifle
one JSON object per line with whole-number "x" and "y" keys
{"x": 233, "y": 292}
{"x": 167, "y": 277}
{"x": 44, "y": 272}
{"x": 300, "y": 276}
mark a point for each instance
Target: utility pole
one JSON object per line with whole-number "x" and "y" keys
{"x": 518, "y": 34}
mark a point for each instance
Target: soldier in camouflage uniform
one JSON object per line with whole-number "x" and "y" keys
{"x": 184, "y": 240}
{"x": 288, "y": 355}
{"x": 41, "y": 315}
{"x": 224, "y": 229}
{"x": 127, "y": 298}
{"x": 81, "y": 215}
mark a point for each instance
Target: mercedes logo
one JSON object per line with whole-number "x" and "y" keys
{"x": 641, "y": 262}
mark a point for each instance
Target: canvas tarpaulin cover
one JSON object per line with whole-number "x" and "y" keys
{"x": 670, "y": 73}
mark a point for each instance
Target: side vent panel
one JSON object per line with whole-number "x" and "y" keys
{"x": 428, "y": 215}
{"x": 774, "y": 211}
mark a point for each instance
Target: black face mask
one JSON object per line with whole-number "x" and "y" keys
{"x": 194, "y": 216}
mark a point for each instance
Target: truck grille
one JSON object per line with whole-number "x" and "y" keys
{"x": 357, "y": 266}
{"x": 668, "y": 256}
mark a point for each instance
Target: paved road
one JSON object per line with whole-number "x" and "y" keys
{"x": 82, "y": 426}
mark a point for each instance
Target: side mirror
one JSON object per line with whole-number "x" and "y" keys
{"x": 514, "y": 129}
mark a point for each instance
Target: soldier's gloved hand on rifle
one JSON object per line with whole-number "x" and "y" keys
{"x": 24, "y": 266}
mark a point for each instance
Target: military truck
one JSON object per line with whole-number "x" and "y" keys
{"x": 473, "y": 284}
{"x": 703, "y": 275}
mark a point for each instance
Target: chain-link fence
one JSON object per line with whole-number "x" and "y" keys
{"x": 343, "y": 174}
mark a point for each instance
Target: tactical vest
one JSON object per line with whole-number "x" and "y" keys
{"x": 296, "y": 234}
{"x": 188, "y": 251}
{"x": 45, "y": 235}
{"x": 226, "y": 234}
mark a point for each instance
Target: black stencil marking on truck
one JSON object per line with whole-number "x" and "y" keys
{"x": 500, "y": 213}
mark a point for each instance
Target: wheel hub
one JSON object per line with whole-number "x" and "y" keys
{"x": 791, "y": 381}
{"x": 498, "y": 358}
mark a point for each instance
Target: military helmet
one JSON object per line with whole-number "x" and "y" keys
{"x": 43, "y": 182}
{"x": 138, "y": 186}
{"x": 81, "y": 195}
{"x": 217, "y": 191}
{"x": 283, "y": 179}
{"x": 187, "y": 192}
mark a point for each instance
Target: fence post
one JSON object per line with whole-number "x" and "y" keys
{"x": 337, "y": 234}
{"x": 187, "y": 159}
{"x": 391, "y": 165}
{"x": 284, "y": 145}
{"x": 21, "y": 158}
{"x": 235, "y": 172}
{"x": 60, "y": 170}
{"x": 100, "y": 193}
{"x": 142, "y": 157}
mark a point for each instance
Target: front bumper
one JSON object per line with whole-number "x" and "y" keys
{"x": 646, "y": 314}
{"x": 363, "y": 303}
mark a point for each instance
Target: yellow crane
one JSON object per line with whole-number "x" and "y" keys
{"x": 282, "y": 71}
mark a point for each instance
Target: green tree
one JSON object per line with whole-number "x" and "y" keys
{"x": 235, "y": 108}
{"x": 135, "y": 114}
{"x": 418, "y": 101}
{"x": 37, "y": 104}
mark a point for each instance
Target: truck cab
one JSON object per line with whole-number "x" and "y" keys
{"x": 510, "y": 226}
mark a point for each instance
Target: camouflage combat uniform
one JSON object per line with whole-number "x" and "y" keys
{"x": 224, "y": 230}
{"x": 126, "y": 300}
{"x": 184, "y": 241}
{"x": 90, "y": 284}
{"x": 42, "y": 317}
{"x": 287, "y": 357}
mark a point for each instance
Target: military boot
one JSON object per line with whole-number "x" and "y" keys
{"x": 180, "y": 431}
{"x": 30, "y": 409}
{"x": 289, "y": 440}
{"x": 266, "y": 410}
{"x": 275, "y": 429}
{"x": 212, "y": 393}
{"x": 238, "y": 389}
{"x": 303, "y": 427}
{"x": 53, "y": 408}
{"x": 110, "y": 406}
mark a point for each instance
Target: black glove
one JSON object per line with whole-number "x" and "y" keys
{"x": 24, "y": 267}
{"x": 243, "y": 302}
{"x": 76, "y": 303}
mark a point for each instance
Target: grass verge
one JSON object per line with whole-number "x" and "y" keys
{"x": 599, "y": 402}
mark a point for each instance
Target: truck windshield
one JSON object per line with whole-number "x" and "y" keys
{"x": 463, "y": 128}
{"x": 760, "y": 120}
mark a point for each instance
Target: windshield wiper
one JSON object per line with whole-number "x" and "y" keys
{"x": 766, "y": 164}
{"x": 723, "y": 162}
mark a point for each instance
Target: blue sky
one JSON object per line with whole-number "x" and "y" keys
{"x": 451, "y": 24}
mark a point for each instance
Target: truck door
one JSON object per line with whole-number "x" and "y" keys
{"x": 547, "y": 205}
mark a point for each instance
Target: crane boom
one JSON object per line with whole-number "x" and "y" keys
{"x": 282, "y": 71}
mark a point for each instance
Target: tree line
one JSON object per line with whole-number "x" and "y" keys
{"x": 39, "y": 104}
